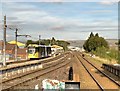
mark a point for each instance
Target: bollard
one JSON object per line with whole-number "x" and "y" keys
{"x": 40, "y": 66}
{"x": 31, "y": 67}
{"x": 18, "y": 71}
{"x": 6, "y": 74}
{"x": 116, "y": 72}
{"x": 23, "y": 70}
{"x": 70, "y": 74}
{"x": 35, "y": 67}
{"x": 36, "y": 86}
{"x": 12, "y": 72}
{"x": 28, "y": 69}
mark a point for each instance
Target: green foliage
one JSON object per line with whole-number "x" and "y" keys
{"x": 45, "y": 42}
{"x": 119, "y": 57}
{"x": 93, "y": 42}
{"x": 107, "y": 53}
{"x": 101, "y": 52}
{"x": 119, "y": 51}
{"x": 99, "y": 46}
{"x": 119, "y": 44}
{"x": 91, "y": 35}
{"x": 29, "y": 42}
{"x": 119, "y": 41}
{"x": 53, "y": 41}
{"x": 62, "y": 43}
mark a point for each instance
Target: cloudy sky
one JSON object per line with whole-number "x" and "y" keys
{"x": 62, "y": 20}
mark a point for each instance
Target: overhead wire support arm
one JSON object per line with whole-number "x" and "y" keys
{"x": 16, "y": 35}
{"x": 24, "y": 35}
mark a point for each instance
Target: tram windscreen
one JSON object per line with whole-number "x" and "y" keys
{"x": 31, "y": 50}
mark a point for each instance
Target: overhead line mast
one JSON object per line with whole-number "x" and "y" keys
{"x": 4, "y": 44}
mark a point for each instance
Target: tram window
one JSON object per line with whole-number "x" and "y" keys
{"x": 31, "y": 51}
{"x": 37, "y": 49}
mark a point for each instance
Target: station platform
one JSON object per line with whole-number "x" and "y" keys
{"x": 13, "y": 64}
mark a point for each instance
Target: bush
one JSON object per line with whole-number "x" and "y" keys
{"x": 107, "y": 53}
{"x": 93, "y": 42}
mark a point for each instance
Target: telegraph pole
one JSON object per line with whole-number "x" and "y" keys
{"x": 16, "y": 44}
{"x": 39, "y": 39}
{"x": 4, "y": 40}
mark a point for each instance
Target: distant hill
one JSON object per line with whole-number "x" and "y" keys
{"x": 112, "y": 42}
{"x": 79, "y": 43}
{"x": 76, "y": 43}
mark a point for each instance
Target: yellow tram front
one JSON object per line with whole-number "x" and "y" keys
{"x": 38, "y": 51}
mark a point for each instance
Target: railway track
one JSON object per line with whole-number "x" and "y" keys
{"x": 95, "y": 76}
{"x": 44, "y": 64}
{"x": 17, "y": 62}
{"x": 102, "y": 72}
{"x": 32, "y": 75}
{"x": 23, "y": 64}
{"x": 20, "y": 71}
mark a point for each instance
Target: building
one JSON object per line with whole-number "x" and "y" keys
{"x": 19, "y": 44}
{"x": 1, "y": 49}
{"x": 10, "y": 51}
{"x": 74, "y": 48}
{"x": 1, "y": 46}
{"x": 22, "y": 53}
{"x": 56, "y": 49}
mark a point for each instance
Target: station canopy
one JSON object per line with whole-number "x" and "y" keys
{"x": 56, "y": 46}
{"x": 18, "y": 43}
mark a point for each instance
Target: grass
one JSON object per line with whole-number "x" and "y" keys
{"x": 109, "y": 54}
{"x": 98, "y": 60}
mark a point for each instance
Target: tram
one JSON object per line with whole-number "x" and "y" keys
{"x": 38, "y": 51}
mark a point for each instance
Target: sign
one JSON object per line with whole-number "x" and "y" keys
{"x": 55, "y": 85}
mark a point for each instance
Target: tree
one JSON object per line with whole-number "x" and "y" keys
{"x": 91, "y": 35}
{"x": 62, "y": 43}
{"x": 96, "y": 35}
{"x": 29, "y": 42}
{"x": 119, "y": 44}
{"x": 53, "y": 41}
{"x": 93, "y": 42}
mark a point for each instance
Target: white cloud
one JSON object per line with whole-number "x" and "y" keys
{"x": 8, "y": 35}
{"x": 59, "y": 0}
{"x": 108, "y": 2}
{"x": 36, "y": 21}
{"x": 98, "y": 11}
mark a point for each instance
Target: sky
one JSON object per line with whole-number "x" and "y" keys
{"x": 60, "y": 19}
